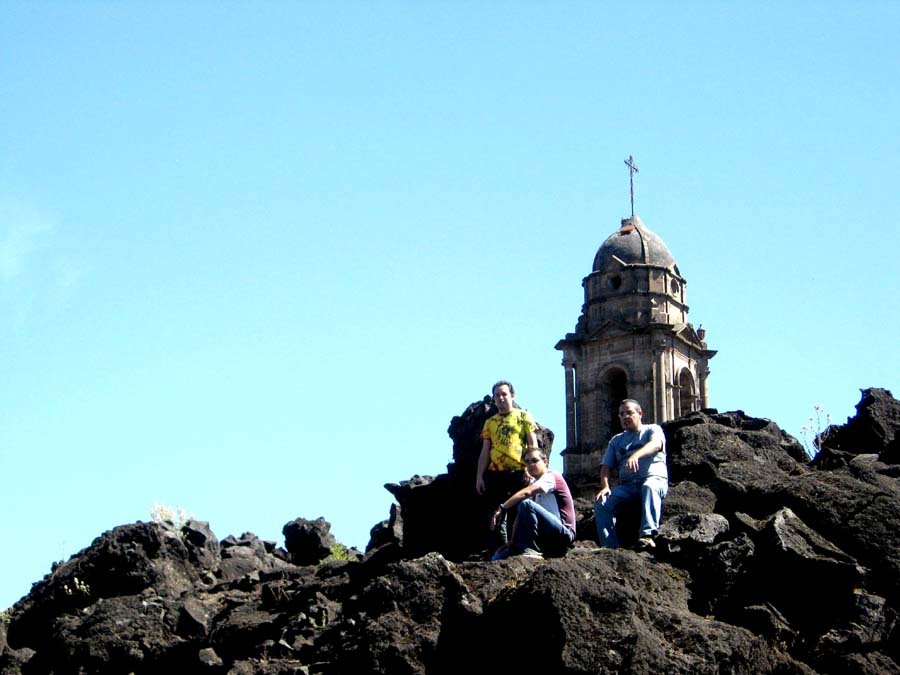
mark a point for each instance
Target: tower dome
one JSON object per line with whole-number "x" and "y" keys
{"x": 633, "y": 244}
{"x": 632, "y": 340}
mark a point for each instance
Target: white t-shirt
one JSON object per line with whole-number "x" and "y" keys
{"x": 546, "y": 498}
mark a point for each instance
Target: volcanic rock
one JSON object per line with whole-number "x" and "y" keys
{"x": 308, "y": 541}
{"x": 873, "y": 430}
{"x": 766, "y": 563}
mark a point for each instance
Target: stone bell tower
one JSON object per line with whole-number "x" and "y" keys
{"x": 632, "y": 340}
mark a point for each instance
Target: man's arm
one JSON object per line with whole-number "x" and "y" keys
{"x": 483, "y": 460}
{"x": 512, "y": 502}
{"x": 604, "y": 483}
{"x": 651, "y": 447}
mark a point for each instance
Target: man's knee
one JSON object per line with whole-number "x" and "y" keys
{"x": 525, "y": 508}
{"x": 604, "y": 510}
{"x": 658, "y": 485}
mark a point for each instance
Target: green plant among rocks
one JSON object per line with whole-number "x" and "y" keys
{"x": 5, "y": 617}
{"x": 339, "y": 552}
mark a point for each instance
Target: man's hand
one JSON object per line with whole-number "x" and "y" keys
{"x": 633, "y": 463}
{"x": 479, "y": 485}
{"x": 602, "y": 495}
{"x": 495, "y": 519}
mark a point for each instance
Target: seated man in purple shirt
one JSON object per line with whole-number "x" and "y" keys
{"x": 545, "y": 512}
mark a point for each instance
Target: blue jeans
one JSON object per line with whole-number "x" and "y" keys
{"x": 651, "y": 493}
{"x": 538, "y": 529}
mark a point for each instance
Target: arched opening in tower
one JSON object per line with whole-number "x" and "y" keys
{"x": 613, "y": 388}
{"x": 687, "y": 393}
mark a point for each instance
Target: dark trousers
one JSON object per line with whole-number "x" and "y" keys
{"x": 498, "y": 487}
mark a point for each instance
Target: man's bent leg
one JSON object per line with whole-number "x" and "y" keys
{"x": 539, "y": 529}
{"x": 553, "y": 537}
{"x": 605, "y": 515}
{"x": 653, "y": 491}
{"x": 526, "y": 530}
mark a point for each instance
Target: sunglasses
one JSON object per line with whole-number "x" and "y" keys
{"x": 533, "y": 460}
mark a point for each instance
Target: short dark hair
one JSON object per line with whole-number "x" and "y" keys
{"x": 540, "y": 451}
{"x": 632, "y": 402}
{"x": 512, "y": 390}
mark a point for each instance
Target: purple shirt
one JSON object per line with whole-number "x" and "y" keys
{"x": 555, "y": 496}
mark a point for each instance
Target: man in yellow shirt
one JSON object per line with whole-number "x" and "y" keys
{"x": 505, "y": 436}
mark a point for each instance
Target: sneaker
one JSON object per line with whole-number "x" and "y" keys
{"x": 645, "y": 543}
{"x": 501, "y": 554}
{"x": 531, "y": 553}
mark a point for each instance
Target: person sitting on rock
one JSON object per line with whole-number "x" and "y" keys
{"x": 501, "y": 471}
{"x": 639, "y": 453}
{"x": 545, "y": 512}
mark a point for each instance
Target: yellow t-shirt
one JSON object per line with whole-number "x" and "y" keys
{"x": 508, "y": 435}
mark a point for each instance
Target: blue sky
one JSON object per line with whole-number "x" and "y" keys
{"x": 255, "y": 256}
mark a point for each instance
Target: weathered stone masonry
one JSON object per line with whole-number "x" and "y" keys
{"x": 632, "y": 340}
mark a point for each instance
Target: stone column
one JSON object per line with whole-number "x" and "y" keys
{"x": 653, "y": 389}
{"x": 571, "y": 436}
{"x": 663, "y": 394}
{"x": 702, "y": 374}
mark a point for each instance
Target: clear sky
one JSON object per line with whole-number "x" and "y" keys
{"x": 255, "y": 256}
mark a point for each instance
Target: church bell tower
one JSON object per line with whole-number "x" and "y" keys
{"x": 632, "y": 340}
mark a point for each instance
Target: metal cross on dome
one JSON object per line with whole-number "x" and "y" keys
{"x": 632, "y": 169}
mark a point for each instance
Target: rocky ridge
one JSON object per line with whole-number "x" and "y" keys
{"x": 766, "y": 562}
